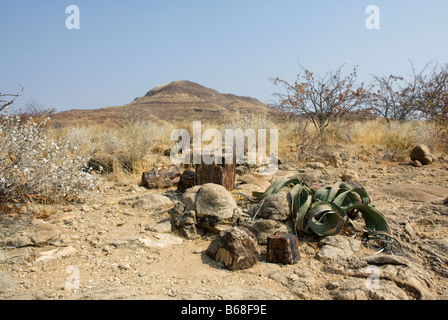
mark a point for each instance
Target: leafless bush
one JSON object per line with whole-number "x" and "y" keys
{"x": 322, "y": 99}
{"x": 7, "y": 99}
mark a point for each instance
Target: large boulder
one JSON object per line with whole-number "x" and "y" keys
{"x": 273, "y": 215}
{"x": 216, "y": 209}
{"x": 205, "y": 208}
{"x": 422, "y": 154}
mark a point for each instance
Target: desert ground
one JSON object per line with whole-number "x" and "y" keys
{"x": 111, "y": 248}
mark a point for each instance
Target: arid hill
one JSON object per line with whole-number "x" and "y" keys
{"x": 176, "y": 101}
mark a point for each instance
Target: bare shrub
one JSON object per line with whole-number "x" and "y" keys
{"x": 322, "y": 99}
{"x": 7, "y": 99}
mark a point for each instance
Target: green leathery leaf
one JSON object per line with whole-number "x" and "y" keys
{"x": 301, "y": 213}
{"x": 374, "y": 219}
{"x": 275, "y": 187}
{"x": 365, "y": 199}
{"x": 323, "y": 194}
{"x": 302, "y": 197}
{"x": 326, "y": 219}
{"x": 347, "y": 199}
{"x": 330, "y": 193}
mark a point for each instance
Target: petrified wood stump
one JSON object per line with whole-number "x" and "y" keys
{"x": 222, "y": 174}
{"x": 236, "y": 248}
{"x": 283, "y": 248}
{"x": 187, "y": 181}
{"x": 166, "y": 176}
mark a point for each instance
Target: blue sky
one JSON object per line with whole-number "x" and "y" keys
{"x": 125, "y": 48}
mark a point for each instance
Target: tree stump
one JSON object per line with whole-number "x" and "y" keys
{"x": 166, "y": 176}
{"x": 283, "y": 248}
{"x": 187, "y": 181}
{"x": 222, "y": 174}
{"x": 236, "y": 248}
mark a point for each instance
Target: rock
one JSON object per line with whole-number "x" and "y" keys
{"x": 315, "y": 165}
{"x": 435, "y": 253}
{"x": 414, "y": 192}
{"x": 382, "y": 259}
{"x": 282, "y": 248}
{"x": 412, "y": 277}
{"x": 236, "y": 248}
{"x": 184, "y": 222}
{"x": 205, "y": 208}
{"x": 189, "y": 198}
{"x": 19, "y": 241}
{"x": 44, "y": 234}
{"x": 362, "y": 289}
{"x": 257, "y": 180}
{"x": 337, "y": 248}
{"x": 53, "y": 254}
{"x": 275, "y": 207}
{"x": 66, "y": 252}
{"x": 309, "y": 176}
{"x": 301, "y": 281}
{"x": 262, "y": 228}
{"x": 14, "y": 256}
{"x": 124, "y": 266}
{"x": 163, "y": 226}
{"x": 250, "y": 187}
{"x": 422, "y": 154}
{"x": 216, "y": 209}
{"x": 335, "y": 160}
{"x": 417, "y": 164}
{"x": 198, "y": 251}
{"x": 163, "y": 177}
{"x": 8, "y": 283}
{"x": 160, "y": 241}
{"x": 154, "y": 203}
{"x": 187, "y": 181}
{"x": 349, "y": 175}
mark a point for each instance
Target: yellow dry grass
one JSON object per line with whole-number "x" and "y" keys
{"x": 146, "y": 142}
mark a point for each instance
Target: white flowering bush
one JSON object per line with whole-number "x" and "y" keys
{"x": 33, "y": 167}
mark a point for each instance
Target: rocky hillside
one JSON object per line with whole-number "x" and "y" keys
{"x": 176, "y": 101}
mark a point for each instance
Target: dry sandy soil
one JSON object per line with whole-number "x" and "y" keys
{"x": 105, "y": 249}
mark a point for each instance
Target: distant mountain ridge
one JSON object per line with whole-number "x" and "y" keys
{"x": 176, "y": 101}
